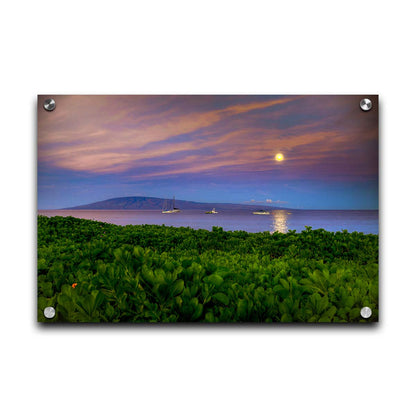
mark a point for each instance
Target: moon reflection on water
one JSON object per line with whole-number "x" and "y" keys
{"x": 280, "y": 219}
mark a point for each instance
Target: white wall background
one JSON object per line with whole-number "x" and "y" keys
{"x": 223, "y": 46}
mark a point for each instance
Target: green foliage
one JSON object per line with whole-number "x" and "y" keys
{"x": 97, "y": 272}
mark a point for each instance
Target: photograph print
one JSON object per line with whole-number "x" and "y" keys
{"x": 207, "y": 209}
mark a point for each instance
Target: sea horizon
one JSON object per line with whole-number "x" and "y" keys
{"x": 229, "y": 209}
{"x": 279, "y": 220}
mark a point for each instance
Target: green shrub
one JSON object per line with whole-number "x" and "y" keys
{"x": 97, "y": 272}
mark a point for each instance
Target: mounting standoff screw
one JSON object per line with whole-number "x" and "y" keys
{"x": 49, "y": 104}
{"x": 49, "y": 312}
{"x": 366, "y": 312}
{"x": 366, "y": 104}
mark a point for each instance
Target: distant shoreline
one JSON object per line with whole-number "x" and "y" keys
{"x": 200, "y": 209}
{"x": 146, "y": 203}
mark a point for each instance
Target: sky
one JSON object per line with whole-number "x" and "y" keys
{"x": 209, "y": 148}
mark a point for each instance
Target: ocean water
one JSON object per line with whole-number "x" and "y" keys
{"x": 280, "y": 220}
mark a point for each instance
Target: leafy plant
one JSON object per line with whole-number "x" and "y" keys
{"x": 97, "y": 272}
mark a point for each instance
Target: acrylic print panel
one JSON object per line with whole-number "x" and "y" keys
{"x": 215, "y": 208}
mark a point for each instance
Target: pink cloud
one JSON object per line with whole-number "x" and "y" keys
{"x": 115, "y": 134}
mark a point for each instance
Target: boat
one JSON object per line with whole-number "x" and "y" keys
{"x": 261, "y": 212}
{"x": 211, "y": 212}
{"x": 169, "y": 207}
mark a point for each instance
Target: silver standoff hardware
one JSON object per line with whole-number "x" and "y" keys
{"x": 49, "y": 312}
{"x": 366, "y": 104}
{"x": 366, "y": 312}
{"x": 49, "y": 104}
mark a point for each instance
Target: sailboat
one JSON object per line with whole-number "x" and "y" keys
{"x": 211, "y": 212}
{"x": 169, "y": 207}
{"x": 261, "y": 212}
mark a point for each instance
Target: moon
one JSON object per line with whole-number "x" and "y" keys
{"x": 279, "y": 157}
